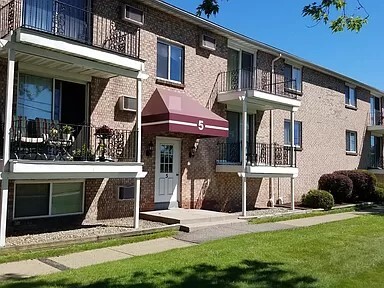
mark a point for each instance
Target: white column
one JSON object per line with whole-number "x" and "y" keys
{"x": 136, "y": 211}
{"x": 292, "y": 158}
{"x": 244, "y": 158}
{"x": 6, "y": 151}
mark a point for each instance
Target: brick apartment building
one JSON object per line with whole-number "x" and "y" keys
{"x": 110, "y": 107}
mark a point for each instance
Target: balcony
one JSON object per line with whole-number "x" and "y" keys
{"x": 261, "y": 95}
{"x": 41, "y": 147}
{"x": 376, "y": 122}
{"x": 263, "y": 159}
{"x": 70, "y": 22}
{"x": 69, "y": 41}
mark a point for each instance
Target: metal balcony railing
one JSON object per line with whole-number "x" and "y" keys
{"x": 258, "y": 154}
{"x": 376, "y": 118}
{"x": 71, "y": 22}
{"x": 42, "y": 139}
{"x": 247, "y": 79}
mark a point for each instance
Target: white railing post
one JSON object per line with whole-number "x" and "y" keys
{"x": 244, "y": 158}
{"x": 292, "y": 158}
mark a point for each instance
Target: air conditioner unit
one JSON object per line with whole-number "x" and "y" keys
{"x": 127, "y": 103}
{"x": 132, "y": 14}
{"x": 208, "y": 42}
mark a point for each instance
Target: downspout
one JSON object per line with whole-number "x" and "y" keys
{"x": 271, "y": 202}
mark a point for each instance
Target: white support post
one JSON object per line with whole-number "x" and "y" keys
{"x": 6, "y": 151}
{"x": 239, "y": 67}
{"x": 244, "y": 158}
{"x": 292, "y": 194}
{"x": 292, "y": 158}
{"x": 136, "y": 212}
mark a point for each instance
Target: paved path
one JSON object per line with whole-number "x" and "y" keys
{"x": 29, "y": 268}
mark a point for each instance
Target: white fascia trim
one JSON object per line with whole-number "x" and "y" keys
{"x": 47, "y": 41}
{"x": 271, "y": 98}
{"x": 34, "y": 167}
{"x": 294, "y": 63}
{"x": 184, "y": 124}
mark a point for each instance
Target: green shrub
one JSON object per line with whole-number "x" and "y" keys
{"x": 318, "y": 199}
{"x": 363, "y": 184}
{"x": 378, "y": 195}
{"x": 339, "y": 185}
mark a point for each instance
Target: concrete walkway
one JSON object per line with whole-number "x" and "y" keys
{"x": 29, "y": 268}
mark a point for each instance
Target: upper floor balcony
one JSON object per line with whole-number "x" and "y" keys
{"x": 72, "y": 22}
{"x": 376, "y": 122}
{"x": 261, "y": 94}
{"x": 263, "y": 159}
{"x": 66, "y": 36}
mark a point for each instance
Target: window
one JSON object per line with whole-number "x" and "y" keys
{"x": 35, "y": 97}
{"x": 132, "y": 14}
{"x": 351, "y": 141}
{"x": 293, "y": 79}
{"x": 126, "y": 192}
{"x": 350, "y": 96}
{"x": 298, "y": 133}
{"x": 170, "y": 62}
{"x": 48, "y": 199}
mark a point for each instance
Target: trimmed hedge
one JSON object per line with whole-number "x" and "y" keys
{"x": 378, "y": 195}
{"x": 318, "y": 199}
{"x": 363, "y": 184}
{"x": 339, "y": 185}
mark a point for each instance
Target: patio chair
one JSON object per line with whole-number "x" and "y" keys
{"x": 24, "y": 140}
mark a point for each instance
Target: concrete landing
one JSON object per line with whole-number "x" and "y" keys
{"x": 186, "y": 216}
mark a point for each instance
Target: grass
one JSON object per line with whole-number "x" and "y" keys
{"x": 301, "y": 215}
{"x": 12, "y": 255}
{"x": 340, "y": 254}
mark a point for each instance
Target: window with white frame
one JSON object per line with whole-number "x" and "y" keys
{"x": 293, "y": 77}
{"x": 350, "y": 96}
{"x": 35, "y": 200}
{"x": 170, "y": 62}
{"x": 351, "y": 141}
{"x": 298, "y": 133}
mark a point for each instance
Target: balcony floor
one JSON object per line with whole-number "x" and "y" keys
{"x": 260, "y": 171}
{"x": 29, "y": 169}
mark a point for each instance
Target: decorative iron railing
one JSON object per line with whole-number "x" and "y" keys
{"x": 376, "y": 162}
{"x": 42, "y": 139}
{"x": 258, "y": 154}
{"x": 247, "y": 79}
{"x": 71, "y": 22}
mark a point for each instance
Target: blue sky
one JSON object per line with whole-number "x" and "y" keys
{"x": 279, "y": 23}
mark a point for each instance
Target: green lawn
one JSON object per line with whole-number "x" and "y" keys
{"x": 12, "y": 256}
{"x": 340, "y": 254}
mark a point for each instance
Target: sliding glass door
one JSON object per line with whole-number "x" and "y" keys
{"x": 67, "y": 18}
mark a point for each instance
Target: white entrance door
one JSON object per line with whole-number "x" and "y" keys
{"x": 167, "y": 172}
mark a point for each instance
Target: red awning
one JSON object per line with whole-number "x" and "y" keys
{"x": 172, "y": 111}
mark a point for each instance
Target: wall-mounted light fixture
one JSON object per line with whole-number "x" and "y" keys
{"x": 149, "y": 150}
{"x": 193, "y": 151}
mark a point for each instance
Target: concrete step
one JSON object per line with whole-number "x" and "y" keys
{"x": 186, "y": 216}
{"x": 203, "y": 225}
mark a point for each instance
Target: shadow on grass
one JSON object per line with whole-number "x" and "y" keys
{"x": 247, "y": 274}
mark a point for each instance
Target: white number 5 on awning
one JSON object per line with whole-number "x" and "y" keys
{"x": 200, "y": 125}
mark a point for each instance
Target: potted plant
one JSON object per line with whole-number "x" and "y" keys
{"x": 53, "y": 133}
{"x": 83, "y": 154}
{"x": 104, "y": 132}
{"x": 67, "y": 132}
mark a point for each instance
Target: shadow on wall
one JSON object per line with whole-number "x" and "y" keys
{"x": 365, "y": 160}
{"x": 247, "y": 273}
